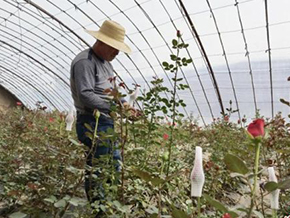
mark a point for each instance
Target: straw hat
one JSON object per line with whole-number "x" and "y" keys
{"x": 112, "y": 34}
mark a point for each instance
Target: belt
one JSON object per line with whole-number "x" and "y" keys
{"x": 91, "y": 113}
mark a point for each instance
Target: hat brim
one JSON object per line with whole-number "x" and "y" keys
{"x": 121, "y": 46}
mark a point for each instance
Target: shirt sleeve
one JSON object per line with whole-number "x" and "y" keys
{"x": 84, "y": 76}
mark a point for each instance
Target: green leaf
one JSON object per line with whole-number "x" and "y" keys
{"x": 189, "y": 61}
{"x": 155, "y": 215}
{"x": 284, "y": 101}
{"x": 258, "y": 214}
{"x": 174, "y": 42}
{"x": 233, "y": 214}
{"x": 88, "y": 127}
{"x": 60, "y": 203}
{"x": 17, "y": 215}
{"x": 173, "y": 57}
{"x": 165, "y": 64}
{"x": 235, "y": 164}
{"x": 51, "y": 199}
{"x": 271, "y": 186}
{"x": 283, "y": 151}
{"x": 75, "y": 142}
{"x": 89, "y": 135}
{"x": 283, "y": 185}
{"x": 215, "y": 204}
{"x": 179, "y": 213}
{"x": 148, "y": 177}
{"x": 77, "y": 201}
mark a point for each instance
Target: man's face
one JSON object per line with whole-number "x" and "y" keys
{"x": 109, "y": 53}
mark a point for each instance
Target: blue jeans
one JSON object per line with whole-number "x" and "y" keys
{"x": 103, "y": 147}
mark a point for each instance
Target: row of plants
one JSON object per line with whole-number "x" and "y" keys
{"x": 43, "y": 165}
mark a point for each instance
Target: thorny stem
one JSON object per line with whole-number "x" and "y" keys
{"x": 123, "y": 140}
{"x": 93, "y": 149}
{"x": 262, "y": 200}
{"x": 255, "y": 178}
{"x": 79, "y": 183}
{"x": 174, "y": 113}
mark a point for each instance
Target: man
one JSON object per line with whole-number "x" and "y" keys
{"x": 90, "y": 73}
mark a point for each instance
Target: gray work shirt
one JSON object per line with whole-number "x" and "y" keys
{"x": 89, "y": 78}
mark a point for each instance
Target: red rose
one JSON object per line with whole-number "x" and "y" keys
{"x": 226, "y": 215}
{"x": 165, "y": 136}
{"x": 18, "y": 103}
{"x": 256, "y": 128}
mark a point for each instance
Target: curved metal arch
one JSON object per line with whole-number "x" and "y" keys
{"x": 128, "y": 38}
{"x": 57, "y": 20}
{"x": 24, "y": 69}
{"x": 6, "y": 69}
{"x": 1, "y": 41}
{"x": 203, "y": 52}
{"x": 32, "y": 46}
{"x": 34, "y": 34}
{"x": 62, "y": 24}
{"x": 184, "y": 76}
{"x": 28, "y": 98}
{"x": 56, "y": 29}
{"x": 150, "y": 47}
{"x": 195, "y": 69}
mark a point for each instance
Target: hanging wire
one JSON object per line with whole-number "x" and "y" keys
{"x": 226, "y": 59}
{"x": 202, "y": 51}
{"x": 247, "y": 54}
{"x": 269, "y": 56}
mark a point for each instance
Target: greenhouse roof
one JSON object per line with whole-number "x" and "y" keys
{"x": 240, "y": 50}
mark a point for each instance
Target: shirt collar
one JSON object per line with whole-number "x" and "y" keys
{"x": 98, "y": 57}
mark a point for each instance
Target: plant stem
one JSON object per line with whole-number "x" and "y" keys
{"x": 173, "y": 113}
{"x": 198, "y": 207}
{"x": 274, "y": 213}
{"x": 93, "y": 150}
{"x": 159, "y": 203}
{"x": 255, "y": 178}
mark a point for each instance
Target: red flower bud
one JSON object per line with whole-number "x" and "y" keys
{"x": 226, "y": 118}
{"x": 18, "y": 103}
{"x": 178, "y": 34}
{"x": 256, "y": 128}
{"x": 165, "y": 136}
{"x": 226, "y": 215}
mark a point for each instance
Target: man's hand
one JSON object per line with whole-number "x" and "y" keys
{"x": 132, "y": 113}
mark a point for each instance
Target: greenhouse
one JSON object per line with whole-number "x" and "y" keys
{"x": 144, "y": 108}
